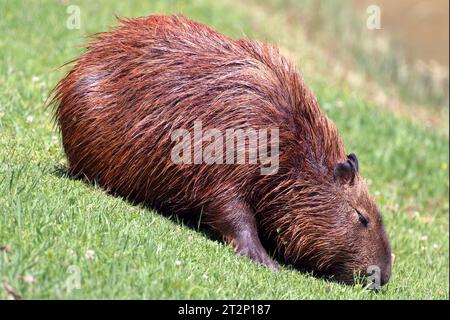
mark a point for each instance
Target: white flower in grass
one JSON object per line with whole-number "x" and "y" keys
{"x": 90, "y": 254}
{"x": 6, "y": 248}
{"x": 339, "y": 103}
{"x": 205, "y": 276}
{"x": 29, "y": 279}
{"x": 34, "y": 79}
{"x": 177, "y": 262}
{"x": 30, "y": 119}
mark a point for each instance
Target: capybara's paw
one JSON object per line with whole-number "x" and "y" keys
{"x": 258, "y": 255}
{"x": 250, "y": 247}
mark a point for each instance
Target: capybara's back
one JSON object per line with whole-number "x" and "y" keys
{"x": 123, "y": 103}
{"x": 123, "y": 99}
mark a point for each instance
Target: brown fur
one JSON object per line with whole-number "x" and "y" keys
{"x": 119, "y": 104}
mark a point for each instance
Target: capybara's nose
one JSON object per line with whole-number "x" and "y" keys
{"x": 380, "y": 273}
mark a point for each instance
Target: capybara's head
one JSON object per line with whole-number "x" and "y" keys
{"x": 335, "y": 228}
{"x": 363, "y": 224}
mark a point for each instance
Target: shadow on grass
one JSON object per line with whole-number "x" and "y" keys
{"x": 192, "y": 219}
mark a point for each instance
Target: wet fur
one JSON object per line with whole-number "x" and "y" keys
{"x": 119, "y": 104}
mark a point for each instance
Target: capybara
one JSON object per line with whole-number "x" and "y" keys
{"x": 135, "y": 86}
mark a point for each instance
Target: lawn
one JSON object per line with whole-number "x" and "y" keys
{"x": 61, "y": 238}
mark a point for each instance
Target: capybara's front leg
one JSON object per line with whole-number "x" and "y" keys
{"x": 236, "y": 222}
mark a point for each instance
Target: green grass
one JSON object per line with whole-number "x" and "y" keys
{"x": 51, "y": 222}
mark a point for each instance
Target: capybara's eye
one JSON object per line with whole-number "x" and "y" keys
{"x": 361, "y": 218}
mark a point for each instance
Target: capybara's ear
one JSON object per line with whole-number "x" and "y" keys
{"x": 345, "y": 172}
{"x": 352, "y": 158}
